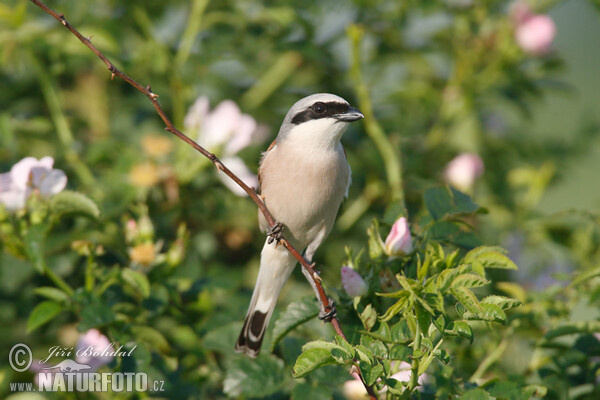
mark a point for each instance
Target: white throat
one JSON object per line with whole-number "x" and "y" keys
{"x": 317, "y": 134}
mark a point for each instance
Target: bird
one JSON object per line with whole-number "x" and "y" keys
{"x": 303, "y": 177}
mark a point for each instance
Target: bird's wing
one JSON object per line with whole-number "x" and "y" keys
{"x": 264, "y": 155}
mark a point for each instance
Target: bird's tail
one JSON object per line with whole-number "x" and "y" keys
{"x": 276, "y": 265}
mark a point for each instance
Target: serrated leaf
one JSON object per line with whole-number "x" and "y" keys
{"x": 43, "y": 313}
{"x": 398, "y": 294}
{"x": 295, "y": 314}
{"x": 363, "y": 354}
{"x": 445, "y": 279}
{"x": 340, "y": 353}
{"x": 254, "y": 378}
{"x": 462, "y": 329}
{"x": 368, "y": 317}
{"x": 376, "y": 347}
{"x": 312, "y": 359}
{"x": 396, "y": 308}
{"x": 504, "y": 303}
{"x": 370, "y": 372}
{"x": 476, "y": 394}
{"x": 137, "y": 281}
{"x": 394, "y": 386}
{"x": 466, "y": 298}
{"x": 423, "y": 317}
{"x": 469, "y": 281}
{"x": 490, "y": 257}
{"x": 69, "y": 202}
{"x": 52, "y": 293}
{"x": 489, "y": 312}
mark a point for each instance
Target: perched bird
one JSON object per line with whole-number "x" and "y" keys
{"x": 304, "y": 176}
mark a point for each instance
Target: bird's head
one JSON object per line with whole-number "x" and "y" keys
{"x": 320, "y": 118}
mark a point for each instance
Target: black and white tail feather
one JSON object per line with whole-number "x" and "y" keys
{"x": 276, "y": 265}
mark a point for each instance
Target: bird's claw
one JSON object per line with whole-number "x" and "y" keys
{"x": 275, "y": 233}
{"x": 316, "y": 274}
{"x": 327, "y": 316}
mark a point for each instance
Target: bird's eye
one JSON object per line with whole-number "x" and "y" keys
{"x": 319, "y": 108}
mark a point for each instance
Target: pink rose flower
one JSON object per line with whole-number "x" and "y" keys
{"x": 534, "y": 33}
{"x": 399, "y": 241}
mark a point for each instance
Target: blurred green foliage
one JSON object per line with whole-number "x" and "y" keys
{"x": 149, "y": 247}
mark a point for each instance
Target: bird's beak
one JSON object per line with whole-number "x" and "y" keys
{"x": 350, "y": 116}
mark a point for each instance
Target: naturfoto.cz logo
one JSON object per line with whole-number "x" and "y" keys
{"x": 71, "y": 376}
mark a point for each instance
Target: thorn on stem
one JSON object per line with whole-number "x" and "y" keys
{"x": 112, "y": 76}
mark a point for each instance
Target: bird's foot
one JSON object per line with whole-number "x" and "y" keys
{"x": 327, "y": 316}
{"x": 275, "y": 233}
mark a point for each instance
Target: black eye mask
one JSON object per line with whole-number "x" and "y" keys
{"x": 330, "y": 109}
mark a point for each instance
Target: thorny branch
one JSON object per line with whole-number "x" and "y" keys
{"x": 213, "y": 158}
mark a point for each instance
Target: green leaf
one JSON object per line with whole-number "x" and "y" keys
{"x": 504, "y": 303}
{"x": 42, "y": 313}
{"x": 490, "y": 257}
{"x": 461, "y": 328}
{"x": 317, "y": 353}
{"x": 368, "y": 317}
{"x": 369, "y": 372}
{"x": 363, "y": 354}
{"x": 489, "y": 312}
{"x": 68, "y": 202}
{"x": 312, "y": 359}
{"x": 400, "y": 352}
{"x": 34, "y": 245}
{"x": 469, "y": 281}
{"x": 423, "y": 317}
{"x": 254, "y": 378}
{"x": 52, "y": 293}
{"x": 295, "y": 314}
{"x": 446, "y": 277}
{"x": 394, "y": 386}
{"x": 137, "y": 281}
{"x": 476, "y": 394}
{"x": 397, "y": 307}
{"x": 467, "y": 299}
{"x": 446, "y": 201}
{"x": 376, "y": 347}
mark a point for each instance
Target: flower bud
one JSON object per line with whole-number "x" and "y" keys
{"x": 353, "y": 283}
{"x": 462, "y": 171}
{"x": 399, "y": 241}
